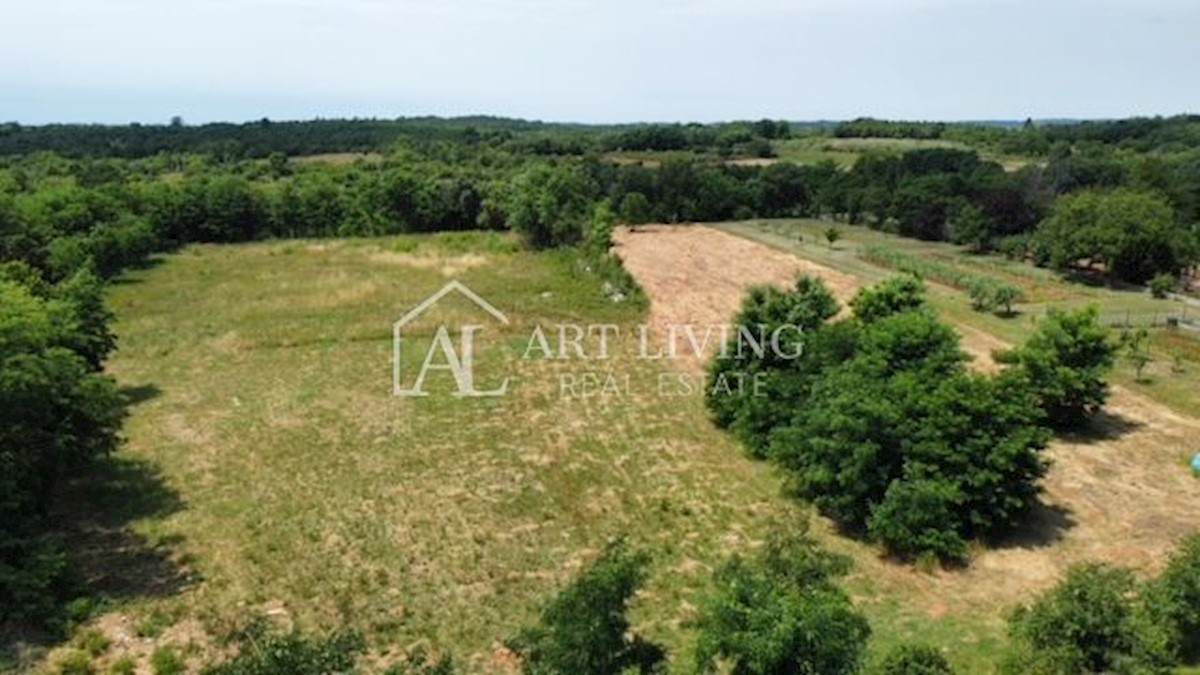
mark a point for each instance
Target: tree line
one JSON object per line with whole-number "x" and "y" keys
{"x": 776, "y": 610}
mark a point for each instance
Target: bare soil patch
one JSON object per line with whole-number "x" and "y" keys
{"x": 698, "y": 276}
{"x": 1121, "y": 495}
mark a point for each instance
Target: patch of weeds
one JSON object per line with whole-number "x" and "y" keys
{"x": 166, "y": 661}
{"x": 154, "y": 625}
{"x": 74, "y": 662}
{"x": 123, "y": 666}
{"x": 93, "y": 642}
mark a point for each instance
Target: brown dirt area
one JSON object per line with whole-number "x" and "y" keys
{"x": 1122, "y": 496}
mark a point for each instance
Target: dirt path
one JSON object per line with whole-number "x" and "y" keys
{"x": 1124, "y": 498}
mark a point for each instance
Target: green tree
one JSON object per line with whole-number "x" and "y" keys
{"x": 969, "y": 226}
{"x": 1134, "y": 235}
{"x": 1066, "y": 362}
{"x": 1005, "y": 295}
{"x": 780, "y": 613}
{"x": 1086, "y": 624}
{"x": 86, "y": 317}
{"x": 983, "y": 295}
{"x": 765, "y": 311}
{"x": 914, "y": 659}
{"x": 832, "y": 235}
{"x": 636, "y": 209}
{"x": 585, "y": 629}
{"x": 56, "y": 416}
{"x": 548, "y": 205}
{"x": 1136, "y": 348}
{"x": 1172, "y": 601}
{"x": 892, "y": 296}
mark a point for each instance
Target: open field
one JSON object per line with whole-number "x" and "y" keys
{"x": 302, "y": 490}
{"x": 305, "y": 491}
{"x": 845, "y": 151}
{"x": 339, "y": 158}
{"x": 1123, "y": 496}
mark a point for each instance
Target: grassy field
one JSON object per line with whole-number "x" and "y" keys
{"x": 845, "y": 151}
{"x": 304, "y": 491}
{"x": 311, "y": 494}
{"x": 1173, "y": 378}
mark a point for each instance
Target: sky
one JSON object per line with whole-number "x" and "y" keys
{"x": 122, "y": 61}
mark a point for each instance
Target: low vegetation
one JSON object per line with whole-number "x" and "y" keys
{"x": 780, "y": 612}
{"x": 585, "y": 628}
{"x": 986, "y": 293}
{"x": 1102, "y": 619}
{"x": 880, "y": 425}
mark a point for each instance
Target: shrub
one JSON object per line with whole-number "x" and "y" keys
{"x": 421, "y": 662}
{"x": 93, "y": 642}
{"x": 597, "y": 257}
{"x": 915, "y": 518}
{"x": 832, "y": 235}
{"x": 1162, "y": 284}
{"x": 1085, "y": 624}
{"x": 1173, "y": 600}
{"x": 124, "y": 665}
{"x": 74, "y": 662}
{"x": 780, "y": 613}
{"x": 908, "y": 659}
{"x": 262, "y": 652}
{"x": 1065, "y": 363}
{"x": 584, "y": 629}
{"x": 166, "y": 661}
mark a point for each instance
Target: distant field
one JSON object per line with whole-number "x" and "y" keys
{"x": 339, "y": 158}
{"x": 845, "y": 151}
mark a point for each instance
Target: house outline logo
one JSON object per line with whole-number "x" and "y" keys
{"x": 458, "y": 360}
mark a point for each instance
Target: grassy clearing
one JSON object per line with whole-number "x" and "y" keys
{"x": 1172, "y": 379}
{"x": 310, "y": 492}
{"x": 339, "y": 158}
{"x": 845, "y": 151}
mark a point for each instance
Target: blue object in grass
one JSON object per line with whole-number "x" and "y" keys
{"x": 1196, "y": 465}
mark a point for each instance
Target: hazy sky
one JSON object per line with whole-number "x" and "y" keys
{"x": 596, "y": 60}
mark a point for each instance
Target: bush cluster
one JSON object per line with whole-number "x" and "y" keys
{"x": 987, "y": 293}
{"x": 880, "y": 424}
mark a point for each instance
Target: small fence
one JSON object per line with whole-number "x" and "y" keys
{"x": 1186, "y": 318}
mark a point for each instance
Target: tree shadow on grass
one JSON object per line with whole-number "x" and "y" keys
{"x": 136, "y": 395}
{"x": 1103, "y": 426}
{"x": 1045, "y": 525}
{"x": 96, "y": 513}
{"x": 148, "y": 263}
{"x": 111, "y": 562}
